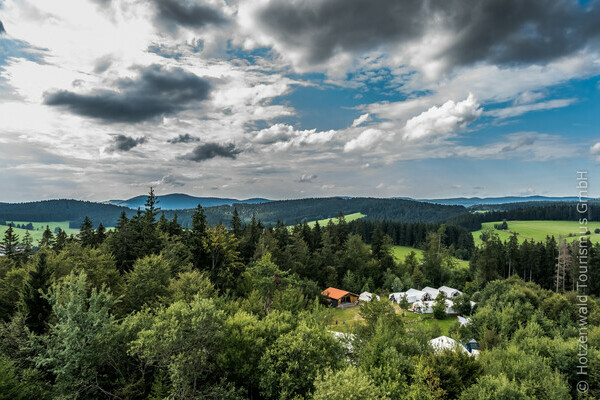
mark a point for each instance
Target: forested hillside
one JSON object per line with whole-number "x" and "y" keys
{"x": 287, "y": 211}
{"x": 152, "y": 310}
{"x": 540, "y": 211}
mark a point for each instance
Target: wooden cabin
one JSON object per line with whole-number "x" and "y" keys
{"x": 338, "y": 297}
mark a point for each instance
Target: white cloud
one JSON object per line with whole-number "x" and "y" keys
{"x": 595, "y": 150}
{"x": 283, "y": 136}
{"x": 444, "y": 120}
{"x": 513, "y": 111}
{"x": 360, "y": 120}
{"x": 365, "y": 140}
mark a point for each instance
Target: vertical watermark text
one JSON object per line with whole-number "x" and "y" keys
{"x": 582, "y": 280}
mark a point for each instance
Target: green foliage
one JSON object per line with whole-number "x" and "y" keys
{"x": 10, "y": 385}
{"x": 36, "y": 307}
{"x": 146, "y": 283}
{"x": 184, "y": 341}
{"x": 289, "y": 366}
{"x": 351, "y": 383}
{"x": 189, "y": 284}
{"x": 77, "y": 349}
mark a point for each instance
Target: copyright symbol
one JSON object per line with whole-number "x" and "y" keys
{"x": 583, "y": 386}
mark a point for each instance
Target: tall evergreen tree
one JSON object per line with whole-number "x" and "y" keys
{"x": 36, "y": 306}
{"x": 197, "y": 239}
{"x": 86, "y": 233}
{"x": 47, "y": 238}
{"x": 236, "y": 223}
{"x": 61, "y": 240}
{"x": 27, "y": 246}
{"x": 10, "y": 242}
{"x": 100, "y": 236}
{"x": 150, "y": 237}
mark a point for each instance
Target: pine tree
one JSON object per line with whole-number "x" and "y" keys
{"x": 10, "y": 242}
{"x": 47, "y": 239}
{"x": 27, "y": 245}
{"x": 236, "y": 224}
{"x": 100, "y": 234}
{"x": 197, "y": 239}
{"x": 35, "y": 305}
{"x": 86, "y": 233}
{"x": 151, "y": 210}
{"x": 61, "y": 240}
{"x": 150, "y": 237}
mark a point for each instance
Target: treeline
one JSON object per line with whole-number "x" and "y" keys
{"x": 62, "y": 210}
{"x": 415, "y": 234}
{"x": 153, "y": 310}
{"x": 537, "y": 261}
{"x": 287, "y": 211}
{"x": 292, "y": 211}
{"x": 557, "y": 212}
{"x": 28, "y": 226}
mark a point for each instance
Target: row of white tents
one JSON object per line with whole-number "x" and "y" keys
{"x": 425, "y": 294}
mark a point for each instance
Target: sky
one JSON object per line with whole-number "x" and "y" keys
{"x": 101, "y": 99}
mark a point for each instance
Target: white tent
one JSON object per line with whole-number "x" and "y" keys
{"x": 366, "y": 296}
{"x": 397, "y": 296}
{"x": 442, "y": 343}
{"x": 424, "y": 307}
{"x": 463, "y": 320}
{"x": 450, "y": 292}
{"x": 450, "y": 307}
{"x": 415, "y": 295}
{"x": 432, "y": 292}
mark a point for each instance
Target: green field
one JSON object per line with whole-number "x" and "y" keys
{"x": 349, "y": 218}
{"x": 400, "y": 252}
{"x": 538, "y": 230}
{"x": 345, "y": 320}
{"x": 38, "y": 229}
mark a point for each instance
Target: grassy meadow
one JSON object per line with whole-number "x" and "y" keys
{"x": 349, "y": 218}
{"x": 538, "y": 230}
{"x": 352, "y": 318}
{"x": 38, "y": 229}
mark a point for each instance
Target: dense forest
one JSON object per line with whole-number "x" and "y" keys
{"x": 286, "y": 211}
{"x": 526, "y": 212}
{"x": 154, "y": 310}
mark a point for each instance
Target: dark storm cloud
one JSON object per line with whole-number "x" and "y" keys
{"x": 499, "y": 31}
{"x": 184, "y": 138}
{"x": 155, "y": 92}
{"x": 126, "y": 143}
{"x": 206, "y": 151}
{"x": 188, "y": 13}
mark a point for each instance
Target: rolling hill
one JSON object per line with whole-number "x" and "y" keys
{"x": 287, "y": 211}
{"x": 180, "y": 201}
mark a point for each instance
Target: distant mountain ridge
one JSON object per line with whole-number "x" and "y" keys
{"x": 474, "y": 201}
{"x": 181, "y": 201}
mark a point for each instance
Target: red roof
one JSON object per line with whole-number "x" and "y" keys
{"x": 336, "y": 294}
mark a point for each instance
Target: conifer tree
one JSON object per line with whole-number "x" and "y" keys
{"x": 47, "y": 238}
{"x": 10, "y": 242}
{"x": 36, "y": 307}
{"x": 61, "y": 240}
{"x": 100, "y": 234}
{"x": 86, "y": 233}
{"x": 197, "y": 239}
{"x": 236, "y": 224}
{"x": 27, "y": 245}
